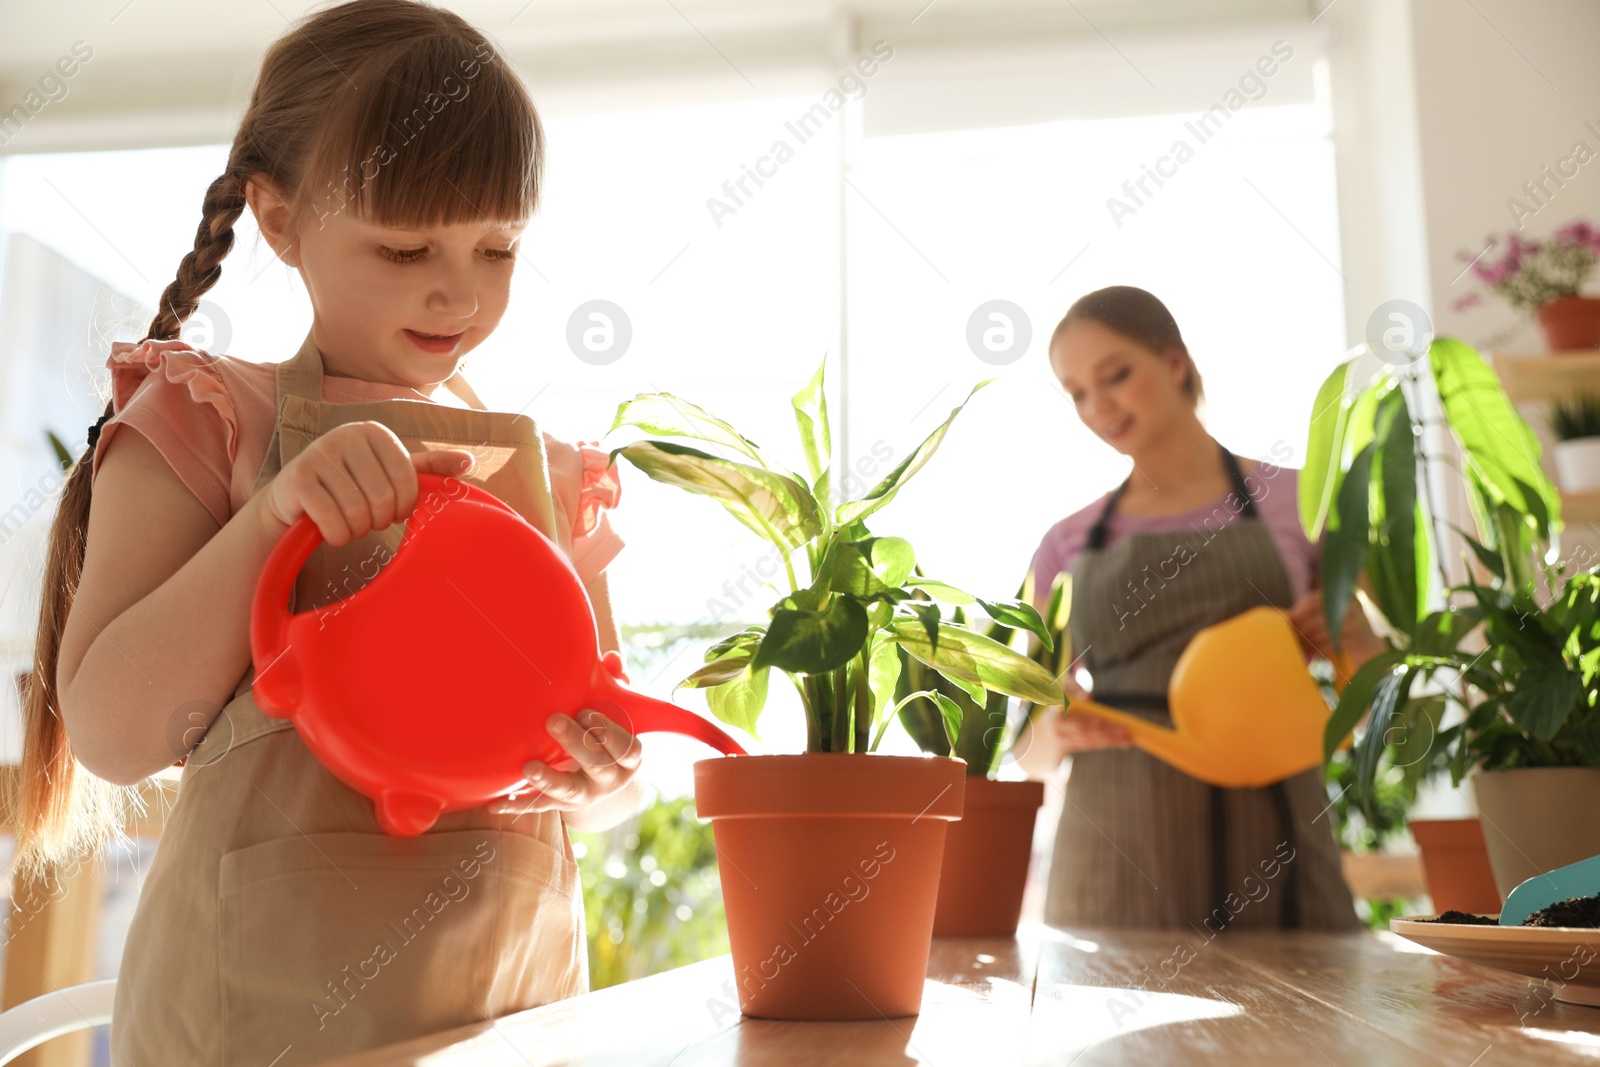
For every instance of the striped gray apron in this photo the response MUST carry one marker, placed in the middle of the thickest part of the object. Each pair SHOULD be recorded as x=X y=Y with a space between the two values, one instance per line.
x=1141 y=843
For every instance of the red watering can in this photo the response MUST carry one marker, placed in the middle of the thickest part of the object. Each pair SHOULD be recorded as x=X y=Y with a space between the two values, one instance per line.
x=427 y=690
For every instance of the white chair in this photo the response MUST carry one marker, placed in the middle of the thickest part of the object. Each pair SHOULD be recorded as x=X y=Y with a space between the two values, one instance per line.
x=33 y=1022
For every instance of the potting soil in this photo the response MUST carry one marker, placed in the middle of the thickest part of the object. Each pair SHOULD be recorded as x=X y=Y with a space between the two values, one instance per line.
x=1574 y=911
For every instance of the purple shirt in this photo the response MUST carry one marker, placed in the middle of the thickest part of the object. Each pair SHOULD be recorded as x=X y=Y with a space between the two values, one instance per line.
x=1277 y=505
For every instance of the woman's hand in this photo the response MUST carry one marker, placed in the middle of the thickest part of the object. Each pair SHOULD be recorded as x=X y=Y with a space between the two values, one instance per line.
x=1085 y=733
x=1053 y=733
x=605 y=759
x=354 y=479
x=1311 y=625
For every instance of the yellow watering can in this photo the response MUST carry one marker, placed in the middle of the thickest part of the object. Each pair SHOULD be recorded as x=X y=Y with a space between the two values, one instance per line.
x=1245 y=711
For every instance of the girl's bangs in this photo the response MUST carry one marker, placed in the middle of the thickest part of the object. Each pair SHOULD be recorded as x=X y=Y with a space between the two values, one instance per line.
x=467 y=148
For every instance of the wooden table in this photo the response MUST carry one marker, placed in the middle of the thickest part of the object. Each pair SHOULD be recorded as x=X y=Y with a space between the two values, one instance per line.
x=1058 y=997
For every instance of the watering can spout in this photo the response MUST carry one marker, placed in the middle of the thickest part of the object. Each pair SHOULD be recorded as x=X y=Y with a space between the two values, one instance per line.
x=1162 y=742
x=1245 y=711
x=640 y=714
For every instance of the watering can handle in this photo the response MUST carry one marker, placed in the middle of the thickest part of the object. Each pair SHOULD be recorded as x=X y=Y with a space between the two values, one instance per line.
x=269 y=610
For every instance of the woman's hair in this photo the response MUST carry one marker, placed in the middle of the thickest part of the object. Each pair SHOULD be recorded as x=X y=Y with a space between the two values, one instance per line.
x=398 y=111
x=1138 y=316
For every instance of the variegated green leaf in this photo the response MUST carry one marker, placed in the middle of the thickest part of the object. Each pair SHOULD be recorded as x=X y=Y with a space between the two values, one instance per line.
x=666 y=415
x=739 y=702
x=811 y=415
x=972 y=657
x=885 y=490
x=774 y=505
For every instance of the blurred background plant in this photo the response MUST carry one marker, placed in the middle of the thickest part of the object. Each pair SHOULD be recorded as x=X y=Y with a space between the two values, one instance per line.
x=982 y=731
x=1528 y=274
x=651 y=896
x=63 y=455
x=1056 y=657
x=650 y=647
x=1575 y=418
x=1375 y=830
x=1368 y=482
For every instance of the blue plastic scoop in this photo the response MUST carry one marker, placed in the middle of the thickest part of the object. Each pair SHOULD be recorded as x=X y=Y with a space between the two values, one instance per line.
x=1581 y=879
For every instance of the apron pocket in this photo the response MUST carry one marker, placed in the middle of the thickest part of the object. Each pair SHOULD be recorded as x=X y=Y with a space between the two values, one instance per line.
x=337 y=942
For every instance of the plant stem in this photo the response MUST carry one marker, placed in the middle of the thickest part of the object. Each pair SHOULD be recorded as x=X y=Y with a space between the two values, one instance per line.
x=813 y=709
x=840 y=699
x=1423 y=459
x=863 y=703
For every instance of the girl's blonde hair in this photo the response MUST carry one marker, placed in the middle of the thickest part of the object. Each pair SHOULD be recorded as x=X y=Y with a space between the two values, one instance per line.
x=397 y=111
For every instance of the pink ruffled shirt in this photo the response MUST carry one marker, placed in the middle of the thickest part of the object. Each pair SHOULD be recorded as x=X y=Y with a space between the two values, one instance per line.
x=212 y=417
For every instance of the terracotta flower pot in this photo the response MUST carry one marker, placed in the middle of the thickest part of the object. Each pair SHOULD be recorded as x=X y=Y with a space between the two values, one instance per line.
x=830 y=872
x=1536 y=819
x=986 y=858
x=1571 y=322
x=1455 y=861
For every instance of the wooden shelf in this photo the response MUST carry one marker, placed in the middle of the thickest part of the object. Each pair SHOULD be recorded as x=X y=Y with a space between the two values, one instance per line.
x=1380 y=875
x=1529 y=379
x=1537 y=379
x=1578 y=509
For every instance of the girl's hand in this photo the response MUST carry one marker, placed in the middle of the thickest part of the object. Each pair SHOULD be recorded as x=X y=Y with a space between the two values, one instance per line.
x=1311 y=625
x=605 y=759
x=354 y=479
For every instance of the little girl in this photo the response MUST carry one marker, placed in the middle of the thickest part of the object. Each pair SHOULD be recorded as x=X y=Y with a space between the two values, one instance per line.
x=392 y=157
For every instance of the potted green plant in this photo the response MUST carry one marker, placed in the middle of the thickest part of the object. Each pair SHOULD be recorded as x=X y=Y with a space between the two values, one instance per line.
x=1575 y=422
x=986 y=853
x=1516 y=651
x=1543 y=279
x=829 y=859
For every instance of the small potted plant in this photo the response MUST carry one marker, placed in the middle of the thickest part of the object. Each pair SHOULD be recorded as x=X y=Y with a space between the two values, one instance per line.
x=987 y=853
x=1544 y=279
x=1576 y=425
x=829 y=859
x=1517 y=650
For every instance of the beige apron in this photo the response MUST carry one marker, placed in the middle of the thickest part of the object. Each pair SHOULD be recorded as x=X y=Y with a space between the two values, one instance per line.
x=278 y=924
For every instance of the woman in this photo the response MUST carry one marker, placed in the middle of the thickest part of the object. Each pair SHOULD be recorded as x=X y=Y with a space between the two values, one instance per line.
x=1194 y=536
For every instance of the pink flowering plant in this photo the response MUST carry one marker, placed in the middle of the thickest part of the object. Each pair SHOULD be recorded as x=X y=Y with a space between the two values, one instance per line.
x=1530 y=274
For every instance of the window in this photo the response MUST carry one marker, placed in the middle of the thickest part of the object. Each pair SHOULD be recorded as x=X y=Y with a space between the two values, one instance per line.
x=1241 y=245
x=734 y=270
